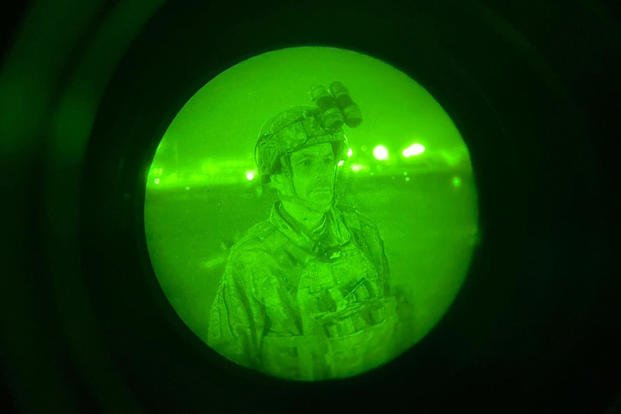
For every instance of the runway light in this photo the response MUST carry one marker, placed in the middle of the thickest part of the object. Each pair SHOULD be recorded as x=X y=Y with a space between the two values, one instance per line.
x=380 y=152
x=157 y=181
x=357 y=167
x=350 y=152
x=341 y=162
x=249 y=175
x=413 y=150
x=456 y=181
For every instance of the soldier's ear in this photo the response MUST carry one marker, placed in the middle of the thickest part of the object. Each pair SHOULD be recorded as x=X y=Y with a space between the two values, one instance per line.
x=277 y=182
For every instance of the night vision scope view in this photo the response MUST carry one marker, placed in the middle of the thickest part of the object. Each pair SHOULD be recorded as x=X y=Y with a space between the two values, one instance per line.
x=311 y=213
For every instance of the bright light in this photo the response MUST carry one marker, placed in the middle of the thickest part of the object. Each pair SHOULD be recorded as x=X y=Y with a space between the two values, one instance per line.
x=456 y=181
x=349 y=152
x=357 y=167
x=157 y=181
x=380 y=152
x=249 y=175
x=413 y=150
x=341 y=162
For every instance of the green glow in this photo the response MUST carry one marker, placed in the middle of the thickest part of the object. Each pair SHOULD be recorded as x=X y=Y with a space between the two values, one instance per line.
x=287 y=278
x=456 y=181
x=413 y=150
x=380 y=152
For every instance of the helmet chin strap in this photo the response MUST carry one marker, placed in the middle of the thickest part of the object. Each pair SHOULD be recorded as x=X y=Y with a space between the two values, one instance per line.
x=292 y=196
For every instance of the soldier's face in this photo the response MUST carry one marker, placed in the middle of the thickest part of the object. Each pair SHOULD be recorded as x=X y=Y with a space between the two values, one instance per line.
x=313 y=170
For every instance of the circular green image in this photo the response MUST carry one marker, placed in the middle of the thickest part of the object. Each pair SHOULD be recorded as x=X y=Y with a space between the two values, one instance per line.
x=311 y=213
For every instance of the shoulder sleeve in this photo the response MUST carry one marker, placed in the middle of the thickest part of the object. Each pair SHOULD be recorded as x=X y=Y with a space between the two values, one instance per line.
x=371 y=241
x=404 y=307
x=378 y=252
x=237 y=318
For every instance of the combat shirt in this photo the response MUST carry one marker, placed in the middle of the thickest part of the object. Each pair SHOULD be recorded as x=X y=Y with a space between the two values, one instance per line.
x=303 y=307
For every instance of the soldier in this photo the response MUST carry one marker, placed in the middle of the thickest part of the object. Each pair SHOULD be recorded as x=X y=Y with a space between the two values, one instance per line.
x=305 y=294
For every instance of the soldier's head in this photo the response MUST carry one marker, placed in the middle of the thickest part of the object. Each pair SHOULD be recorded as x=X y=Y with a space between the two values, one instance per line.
x=298 y=156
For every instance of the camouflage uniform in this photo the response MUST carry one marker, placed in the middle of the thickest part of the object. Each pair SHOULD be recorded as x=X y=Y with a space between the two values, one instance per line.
x=302 y=305
x=306 y=306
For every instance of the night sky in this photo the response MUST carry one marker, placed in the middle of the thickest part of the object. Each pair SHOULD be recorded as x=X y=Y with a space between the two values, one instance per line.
x=222 y=120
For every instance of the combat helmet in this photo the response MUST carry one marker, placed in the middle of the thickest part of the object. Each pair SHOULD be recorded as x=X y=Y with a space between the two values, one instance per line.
x=302 y=126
